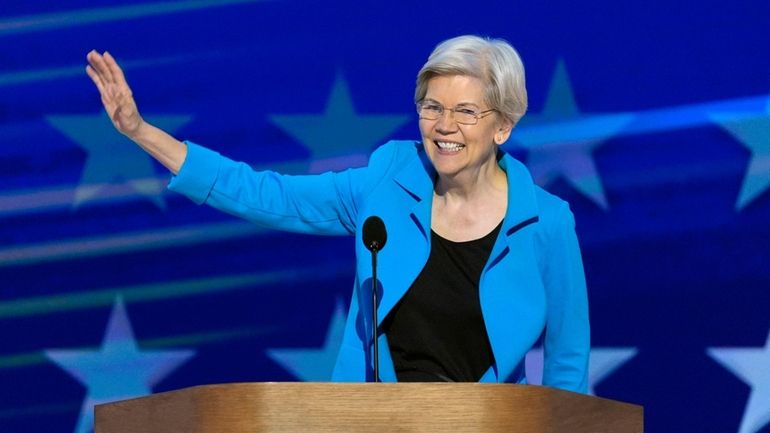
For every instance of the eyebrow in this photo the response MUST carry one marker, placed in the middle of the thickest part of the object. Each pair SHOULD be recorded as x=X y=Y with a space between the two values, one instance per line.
x=461 y=104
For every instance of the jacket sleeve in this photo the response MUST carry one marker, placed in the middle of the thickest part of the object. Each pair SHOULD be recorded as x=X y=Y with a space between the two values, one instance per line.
x=319 y=204
x=567 y=335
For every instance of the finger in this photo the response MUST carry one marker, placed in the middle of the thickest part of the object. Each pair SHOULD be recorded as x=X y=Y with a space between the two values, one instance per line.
x=106 y=90
x=114 y=68
x=93 y=60
x=94 y=66
x=99 y=64
x=91 y=54
x=96 y=79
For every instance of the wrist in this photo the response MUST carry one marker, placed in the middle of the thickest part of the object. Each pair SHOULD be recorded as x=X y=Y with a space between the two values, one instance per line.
x=139 y=133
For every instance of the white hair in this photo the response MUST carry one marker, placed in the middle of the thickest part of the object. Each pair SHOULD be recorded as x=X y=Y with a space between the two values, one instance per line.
x=494 y=61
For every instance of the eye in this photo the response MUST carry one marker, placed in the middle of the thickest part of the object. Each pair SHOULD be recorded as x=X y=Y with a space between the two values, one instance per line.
x=466 y=111
x=433 y=107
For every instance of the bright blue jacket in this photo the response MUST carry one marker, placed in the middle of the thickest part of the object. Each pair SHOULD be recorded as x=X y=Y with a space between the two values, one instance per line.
x=532 y=283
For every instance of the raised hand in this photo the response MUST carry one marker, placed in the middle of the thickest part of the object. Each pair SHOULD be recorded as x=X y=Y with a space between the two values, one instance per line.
x=116 y=95
x=119 y=102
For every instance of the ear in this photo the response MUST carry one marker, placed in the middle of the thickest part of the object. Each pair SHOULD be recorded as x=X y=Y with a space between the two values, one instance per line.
x=503 y=131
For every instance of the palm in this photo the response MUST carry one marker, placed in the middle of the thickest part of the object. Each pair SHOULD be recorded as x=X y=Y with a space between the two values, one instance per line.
x=117 y=97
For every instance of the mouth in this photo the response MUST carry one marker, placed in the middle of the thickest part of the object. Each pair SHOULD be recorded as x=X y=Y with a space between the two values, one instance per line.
x=449 y=147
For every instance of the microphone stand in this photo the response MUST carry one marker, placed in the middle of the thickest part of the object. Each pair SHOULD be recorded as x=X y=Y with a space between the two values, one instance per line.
x=374 y=236
x=376 y=354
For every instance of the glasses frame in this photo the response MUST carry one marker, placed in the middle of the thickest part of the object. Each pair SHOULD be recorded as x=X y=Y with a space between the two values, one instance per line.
x=453 y=110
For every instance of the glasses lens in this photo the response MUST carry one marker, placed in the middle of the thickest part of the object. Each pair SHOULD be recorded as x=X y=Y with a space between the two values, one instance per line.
x=465 y=116
x=429 y=111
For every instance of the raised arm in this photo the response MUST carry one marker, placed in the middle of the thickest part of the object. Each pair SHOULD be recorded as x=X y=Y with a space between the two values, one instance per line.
x=118 y=101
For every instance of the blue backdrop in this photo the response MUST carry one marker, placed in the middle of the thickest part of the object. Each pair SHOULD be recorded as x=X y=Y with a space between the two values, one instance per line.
x=651 y=118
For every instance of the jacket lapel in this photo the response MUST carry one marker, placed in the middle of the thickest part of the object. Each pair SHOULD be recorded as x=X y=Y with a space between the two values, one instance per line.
x=401 y=262
x=416 y=180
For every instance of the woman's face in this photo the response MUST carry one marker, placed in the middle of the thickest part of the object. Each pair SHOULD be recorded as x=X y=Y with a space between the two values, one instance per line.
x=457 y=150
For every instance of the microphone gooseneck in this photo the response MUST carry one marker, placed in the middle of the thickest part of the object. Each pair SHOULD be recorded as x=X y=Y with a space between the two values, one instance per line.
x=374 y=237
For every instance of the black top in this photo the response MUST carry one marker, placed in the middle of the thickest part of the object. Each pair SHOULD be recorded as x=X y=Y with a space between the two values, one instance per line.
x=436 y=332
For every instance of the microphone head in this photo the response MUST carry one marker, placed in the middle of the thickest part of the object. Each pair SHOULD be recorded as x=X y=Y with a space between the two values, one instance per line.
x=374 y=234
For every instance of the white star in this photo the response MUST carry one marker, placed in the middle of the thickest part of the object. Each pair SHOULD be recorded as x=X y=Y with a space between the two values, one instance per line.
x=314 y=365
x=753 y=131
x=118 y=370
x=557 y=143
x=751 y=365
x=114 y=162
x=602 y=362
x=339 y=137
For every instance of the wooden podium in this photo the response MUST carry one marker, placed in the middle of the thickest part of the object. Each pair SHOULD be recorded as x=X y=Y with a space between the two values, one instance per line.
x=368 y=407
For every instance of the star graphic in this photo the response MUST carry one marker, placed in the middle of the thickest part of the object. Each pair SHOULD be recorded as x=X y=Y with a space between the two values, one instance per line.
x=339 y=137
x=561 y=140
x=118 y=370
x=602 y=362
x=114 y=163
x=752 y=365
x=753 y=132
x=314 y=365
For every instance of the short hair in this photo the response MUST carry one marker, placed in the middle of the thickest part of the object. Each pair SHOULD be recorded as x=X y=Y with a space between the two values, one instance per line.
x=494 y=61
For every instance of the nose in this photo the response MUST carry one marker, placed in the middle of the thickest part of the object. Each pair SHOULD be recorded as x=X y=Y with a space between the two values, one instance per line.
x=446 y=124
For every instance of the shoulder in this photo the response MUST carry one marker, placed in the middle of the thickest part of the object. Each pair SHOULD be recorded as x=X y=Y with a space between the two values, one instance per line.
x=554 y=217
x=550 y=210
x=553 y=210
x=556 y=225
x=391 y=159
x=394 y=153
x=555 y=237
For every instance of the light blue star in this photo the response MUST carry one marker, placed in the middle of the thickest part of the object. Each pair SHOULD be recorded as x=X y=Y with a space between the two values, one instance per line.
x=753 y=131
x=602 y=362
x=561 y=140
x=118 y=370
x=314 y=365
x=751 y=365
x=339 y=137
x=114 y=163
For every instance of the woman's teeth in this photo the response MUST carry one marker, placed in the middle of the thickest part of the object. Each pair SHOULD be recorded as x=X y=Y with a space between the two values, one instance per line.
x=444 y=145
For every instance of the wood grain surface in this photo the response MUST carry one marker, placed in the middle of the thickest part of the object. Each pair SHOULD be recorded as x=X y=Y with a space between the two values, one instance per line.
x=368 y=407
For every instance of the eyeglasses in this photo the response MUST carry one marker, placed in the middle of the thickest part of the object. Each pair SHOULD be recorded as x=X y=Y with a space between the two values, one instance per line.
x=431 y=110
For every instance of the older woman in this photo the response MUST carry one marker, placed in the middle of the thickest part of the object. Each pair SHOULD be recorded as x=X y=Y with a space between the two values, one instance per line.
x=480 y=262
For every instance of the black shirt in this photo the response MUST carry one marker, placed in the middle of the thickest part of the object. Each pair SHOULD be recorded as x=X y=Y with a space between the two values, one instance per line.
x=436 y=332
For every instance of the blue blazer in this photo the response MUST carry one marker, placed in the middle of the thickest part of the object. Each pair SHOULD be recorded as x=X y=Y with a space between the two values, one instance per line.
x=532 y=284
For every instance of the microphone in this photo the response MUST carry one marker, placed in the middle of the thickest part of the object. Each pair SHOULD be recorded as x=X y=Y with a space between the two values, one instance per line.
x=374 y=236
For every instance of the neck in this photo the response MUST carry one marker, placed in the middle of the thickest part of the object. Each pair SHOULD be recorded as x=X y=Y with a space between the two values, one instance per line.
x=488 y=180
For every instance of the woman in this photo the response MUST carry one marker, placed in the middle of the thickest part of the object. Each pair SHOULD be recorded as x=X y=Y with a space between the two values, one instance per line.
x=480 y=262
